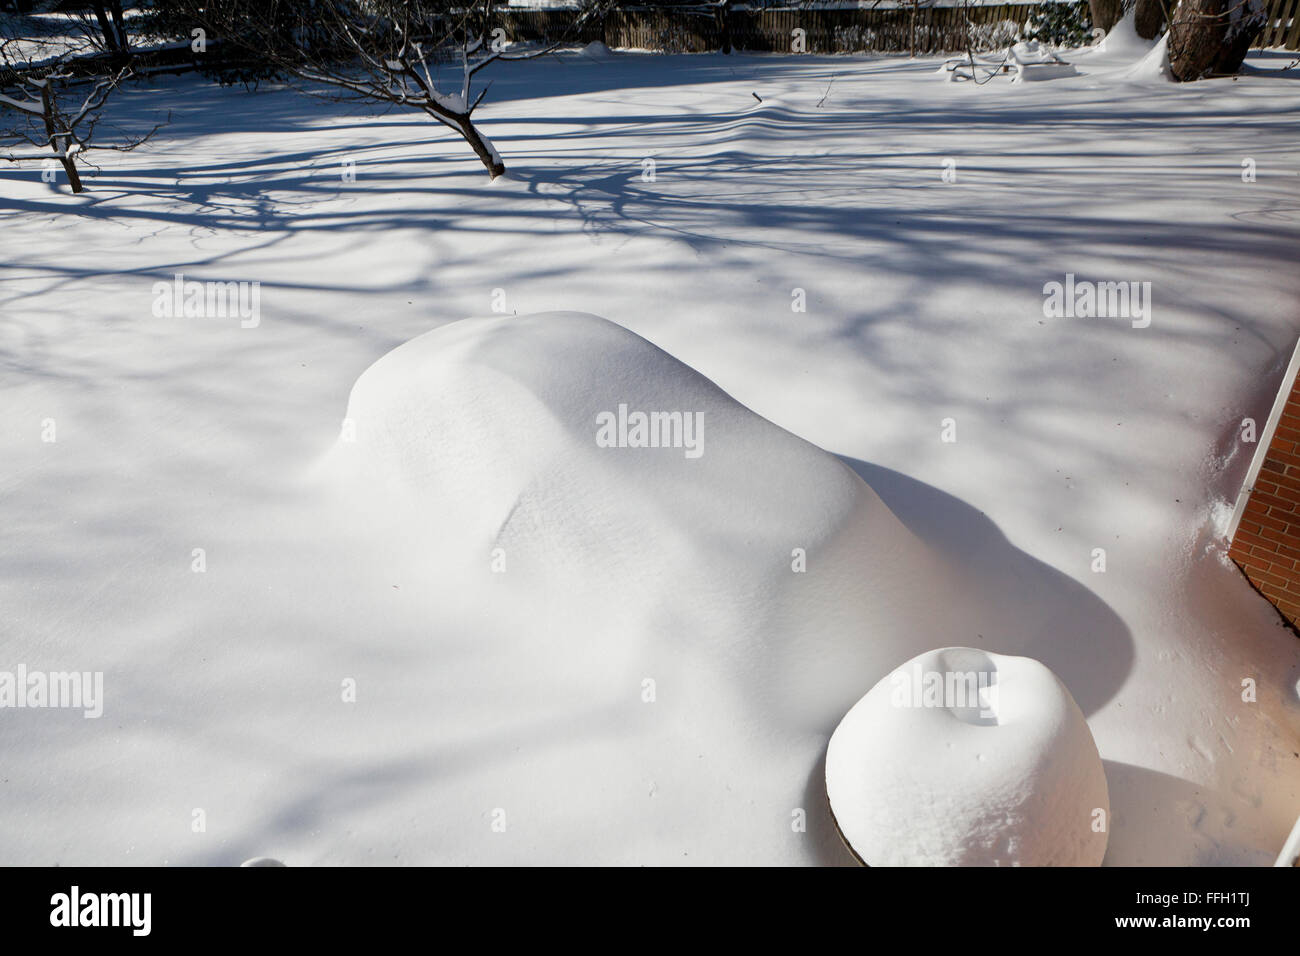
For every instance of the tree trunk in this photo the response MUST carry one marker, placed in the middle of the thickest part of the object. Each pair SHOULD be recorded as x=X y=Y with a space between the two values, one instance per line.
x=1211 y=37
x=119 y=22
x=1105 y=13
x=1148 y=18
x=485 y=153
x=112 y=25
x=74 y=178
x=60 y=149
x=106 y=28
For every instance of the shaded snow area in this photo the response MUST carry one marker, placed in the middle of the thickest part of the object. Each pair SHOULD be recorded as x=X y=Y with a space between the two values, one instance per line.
x=369 y=581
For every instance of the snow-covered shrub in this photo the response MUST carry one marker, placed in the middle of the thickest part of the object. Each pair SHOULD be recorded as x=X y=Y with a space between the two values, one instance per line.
x=1059 y=24
x=993 y=36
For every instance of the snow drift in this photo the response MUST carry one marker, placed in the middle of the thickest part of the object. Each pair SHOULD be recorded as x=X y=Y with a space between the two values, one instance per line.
x=607 y=527
x=568 y=464
x=596 y=50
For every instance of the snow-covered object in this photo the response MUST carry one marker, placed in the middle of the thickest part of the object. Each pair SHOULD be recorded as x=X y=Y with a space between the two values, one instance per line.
x=519 y=436
x=1032 y=63
x=595 y=50
x=965 y=758
x=1033 y=72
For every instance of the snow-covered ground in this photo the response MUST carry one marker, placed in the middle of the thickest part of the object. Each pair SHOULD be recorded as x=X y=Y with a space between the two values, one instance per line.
x=483 y=733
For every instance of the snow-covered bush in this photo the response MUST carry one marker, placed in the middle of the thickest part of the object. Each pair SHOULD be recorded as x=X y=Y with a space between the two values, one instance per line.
x=992 y=36
x=1059 y=24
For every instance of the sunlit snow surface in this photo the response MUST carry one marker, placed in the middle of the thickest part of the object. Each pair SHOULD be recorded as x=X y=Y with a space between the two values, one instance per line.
x=924 y=302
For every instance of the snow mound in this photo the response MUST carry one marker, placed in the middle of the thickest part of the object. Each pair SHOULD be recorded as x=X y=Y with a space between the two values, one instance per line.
x=1123 y=39
x=966 y=758
x=642 y=505
x=1153 y=66
x=596 y=50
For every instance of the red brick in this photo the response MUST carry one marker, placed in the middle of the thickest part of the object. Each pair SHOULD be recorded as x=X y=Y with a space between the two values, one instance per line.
x=1254 y=562
x=1288 y=608
x=1278 y=522
x=1258 y=545
x=1256 y=507
x=1268 y=577
x=1273 y=501
x=1273 y=534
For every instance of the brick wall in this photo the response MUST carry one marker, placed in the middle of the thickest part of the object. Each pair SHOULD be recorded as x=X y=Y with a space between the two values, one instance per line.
x=1266 y=544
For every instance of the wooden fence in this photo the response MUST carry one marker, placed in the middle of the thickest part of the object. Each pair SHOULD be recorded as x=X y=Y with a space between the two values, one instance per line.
x=1283 y=25
x=925 y=29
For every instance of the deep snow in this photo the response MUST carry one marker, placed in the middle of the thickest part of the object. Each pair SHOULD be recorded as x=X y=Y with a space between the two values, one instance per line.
x=924 y=303
x=733 y=561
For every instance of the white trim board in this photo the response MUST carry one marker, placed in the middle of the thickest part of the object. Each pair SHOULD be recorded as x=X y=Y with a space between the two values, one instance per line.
x=1290 y=855
x=1265 y=439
